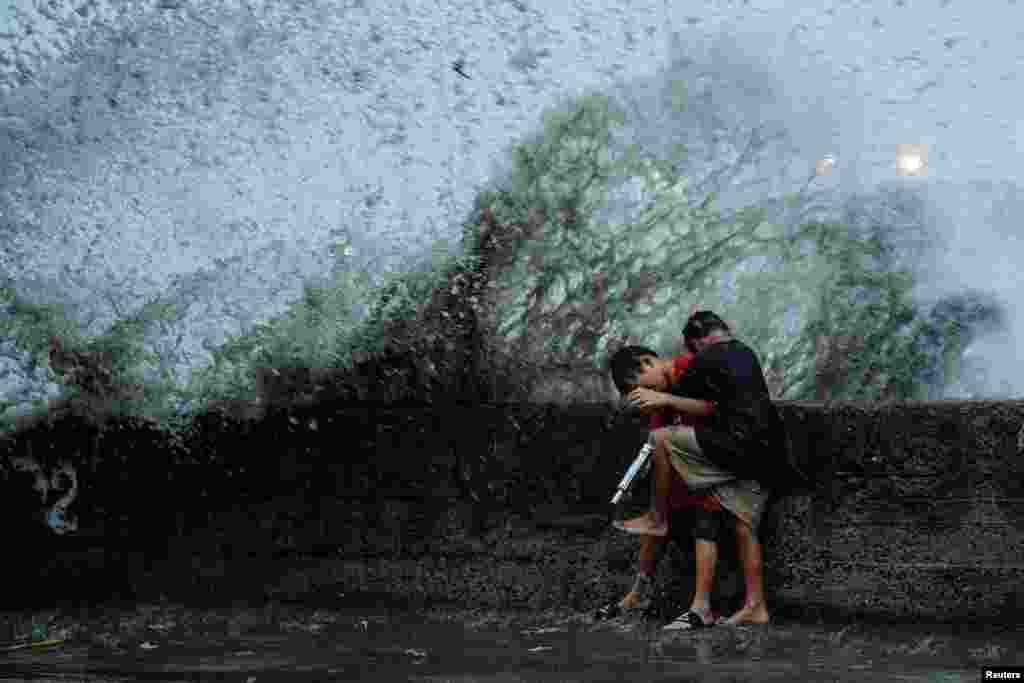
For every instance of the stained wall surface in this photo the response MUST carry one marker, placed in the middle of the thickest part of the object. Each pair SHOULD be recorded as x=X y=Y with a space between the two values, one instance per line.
x=912 y=512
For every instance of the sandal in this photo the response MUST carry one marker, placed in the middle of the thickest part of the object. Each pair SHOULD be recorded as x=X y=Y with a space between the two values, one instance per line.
x=613 y=610
x=609 y=611
x=689 y=621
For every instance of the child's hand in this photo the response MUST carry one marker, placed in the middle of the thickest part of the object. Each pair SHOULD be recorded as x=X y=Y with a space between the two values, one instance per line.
x=646 y=400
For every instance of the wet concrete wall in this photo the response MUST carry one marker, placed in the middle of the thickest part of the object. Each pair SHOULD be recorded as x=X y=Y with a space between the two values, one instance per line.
x=914 y=511
x=917 y=510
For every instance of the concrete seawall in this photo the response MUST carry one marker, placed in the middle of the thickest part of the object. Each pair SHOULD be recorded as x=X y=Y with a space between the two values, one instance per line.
x=916 y=512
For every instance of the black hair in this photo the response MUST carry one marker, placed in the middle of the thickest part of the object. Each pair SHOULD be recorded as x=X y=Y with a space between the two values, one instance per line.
x=625 y=366
x=700 y=325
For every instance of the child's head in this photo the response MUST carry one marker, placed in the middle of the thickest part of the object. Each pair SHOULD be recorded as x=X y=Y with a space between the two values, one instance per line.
x=635 y=366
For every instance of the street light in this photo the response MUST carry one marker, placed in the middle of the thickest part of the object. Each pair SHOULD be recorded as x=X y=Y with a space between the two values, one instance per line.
x=825 y=166
x=911 y=160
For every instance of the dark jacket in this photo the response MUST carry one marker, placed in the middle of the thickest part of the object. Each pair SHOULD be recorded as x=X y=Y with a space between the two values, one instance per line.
x=745 y=434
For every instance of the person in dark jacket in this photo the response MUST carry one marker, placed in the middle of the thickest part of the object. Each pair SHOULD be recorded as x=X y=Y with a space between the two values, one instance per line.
x=736 y=453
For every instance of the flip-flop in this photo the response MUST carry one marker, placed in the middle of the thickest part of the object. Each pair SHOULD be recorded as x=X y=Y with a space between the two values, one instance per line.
x=609 y=611
x=614 y=610
x=689 y=621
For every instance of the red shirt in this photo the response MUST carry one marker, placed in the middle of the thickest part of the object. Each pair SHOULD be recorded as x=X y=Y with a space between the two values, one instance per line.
x=671 y=417
x=681 y=497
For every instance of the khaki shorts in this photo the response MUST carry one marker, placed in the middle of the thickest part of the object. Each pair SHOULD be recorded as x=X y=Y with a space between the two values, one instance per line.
x=745 y=498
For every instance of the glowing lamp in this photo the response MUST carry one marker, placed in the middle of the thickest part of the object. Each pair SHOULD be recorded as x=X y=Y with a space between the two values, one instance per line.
x=911 y=159
x=825 y=166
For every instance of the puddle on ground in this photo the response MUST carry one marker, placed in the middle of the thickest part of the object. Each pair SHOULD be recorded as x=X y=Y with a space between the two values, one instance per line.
x=264 y=644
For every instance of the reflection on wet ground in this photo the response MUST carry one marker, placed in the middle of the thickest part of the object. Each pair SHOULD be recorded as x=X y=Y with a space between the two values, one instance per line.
x=275 y=643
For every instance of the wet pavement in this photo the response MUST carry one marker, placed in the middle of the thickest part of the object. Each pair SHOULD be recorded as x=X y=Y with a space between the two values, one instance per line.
x=285 y=643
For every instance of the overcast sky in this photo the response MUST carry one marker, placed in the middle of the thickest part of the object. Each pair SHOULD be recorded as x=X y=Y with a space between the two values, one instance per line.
x=939 y=73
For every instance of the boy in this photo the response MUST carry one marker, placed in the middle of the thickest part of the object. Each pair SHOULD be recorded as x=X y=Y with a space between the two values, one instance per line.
x=735 y=453
x=632 y=367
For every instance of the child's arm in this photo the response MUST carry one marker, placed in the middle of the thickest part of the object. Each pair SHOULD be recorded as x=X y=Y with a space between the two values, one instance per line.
x=691 y=410
x=689 y=406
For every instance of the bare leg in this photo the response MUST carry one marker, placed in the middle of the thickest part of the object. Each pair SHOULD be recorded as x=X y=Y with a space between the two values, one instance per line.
x=755 y=609
x=707 y=558
x=651 y=548
x=663 y=474
x=656 y=524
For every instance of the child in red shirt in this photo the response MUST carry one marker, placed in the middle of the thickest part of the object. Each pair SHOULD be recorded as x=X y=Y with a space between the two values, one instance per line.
x=652 y=547
x=681 y=497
